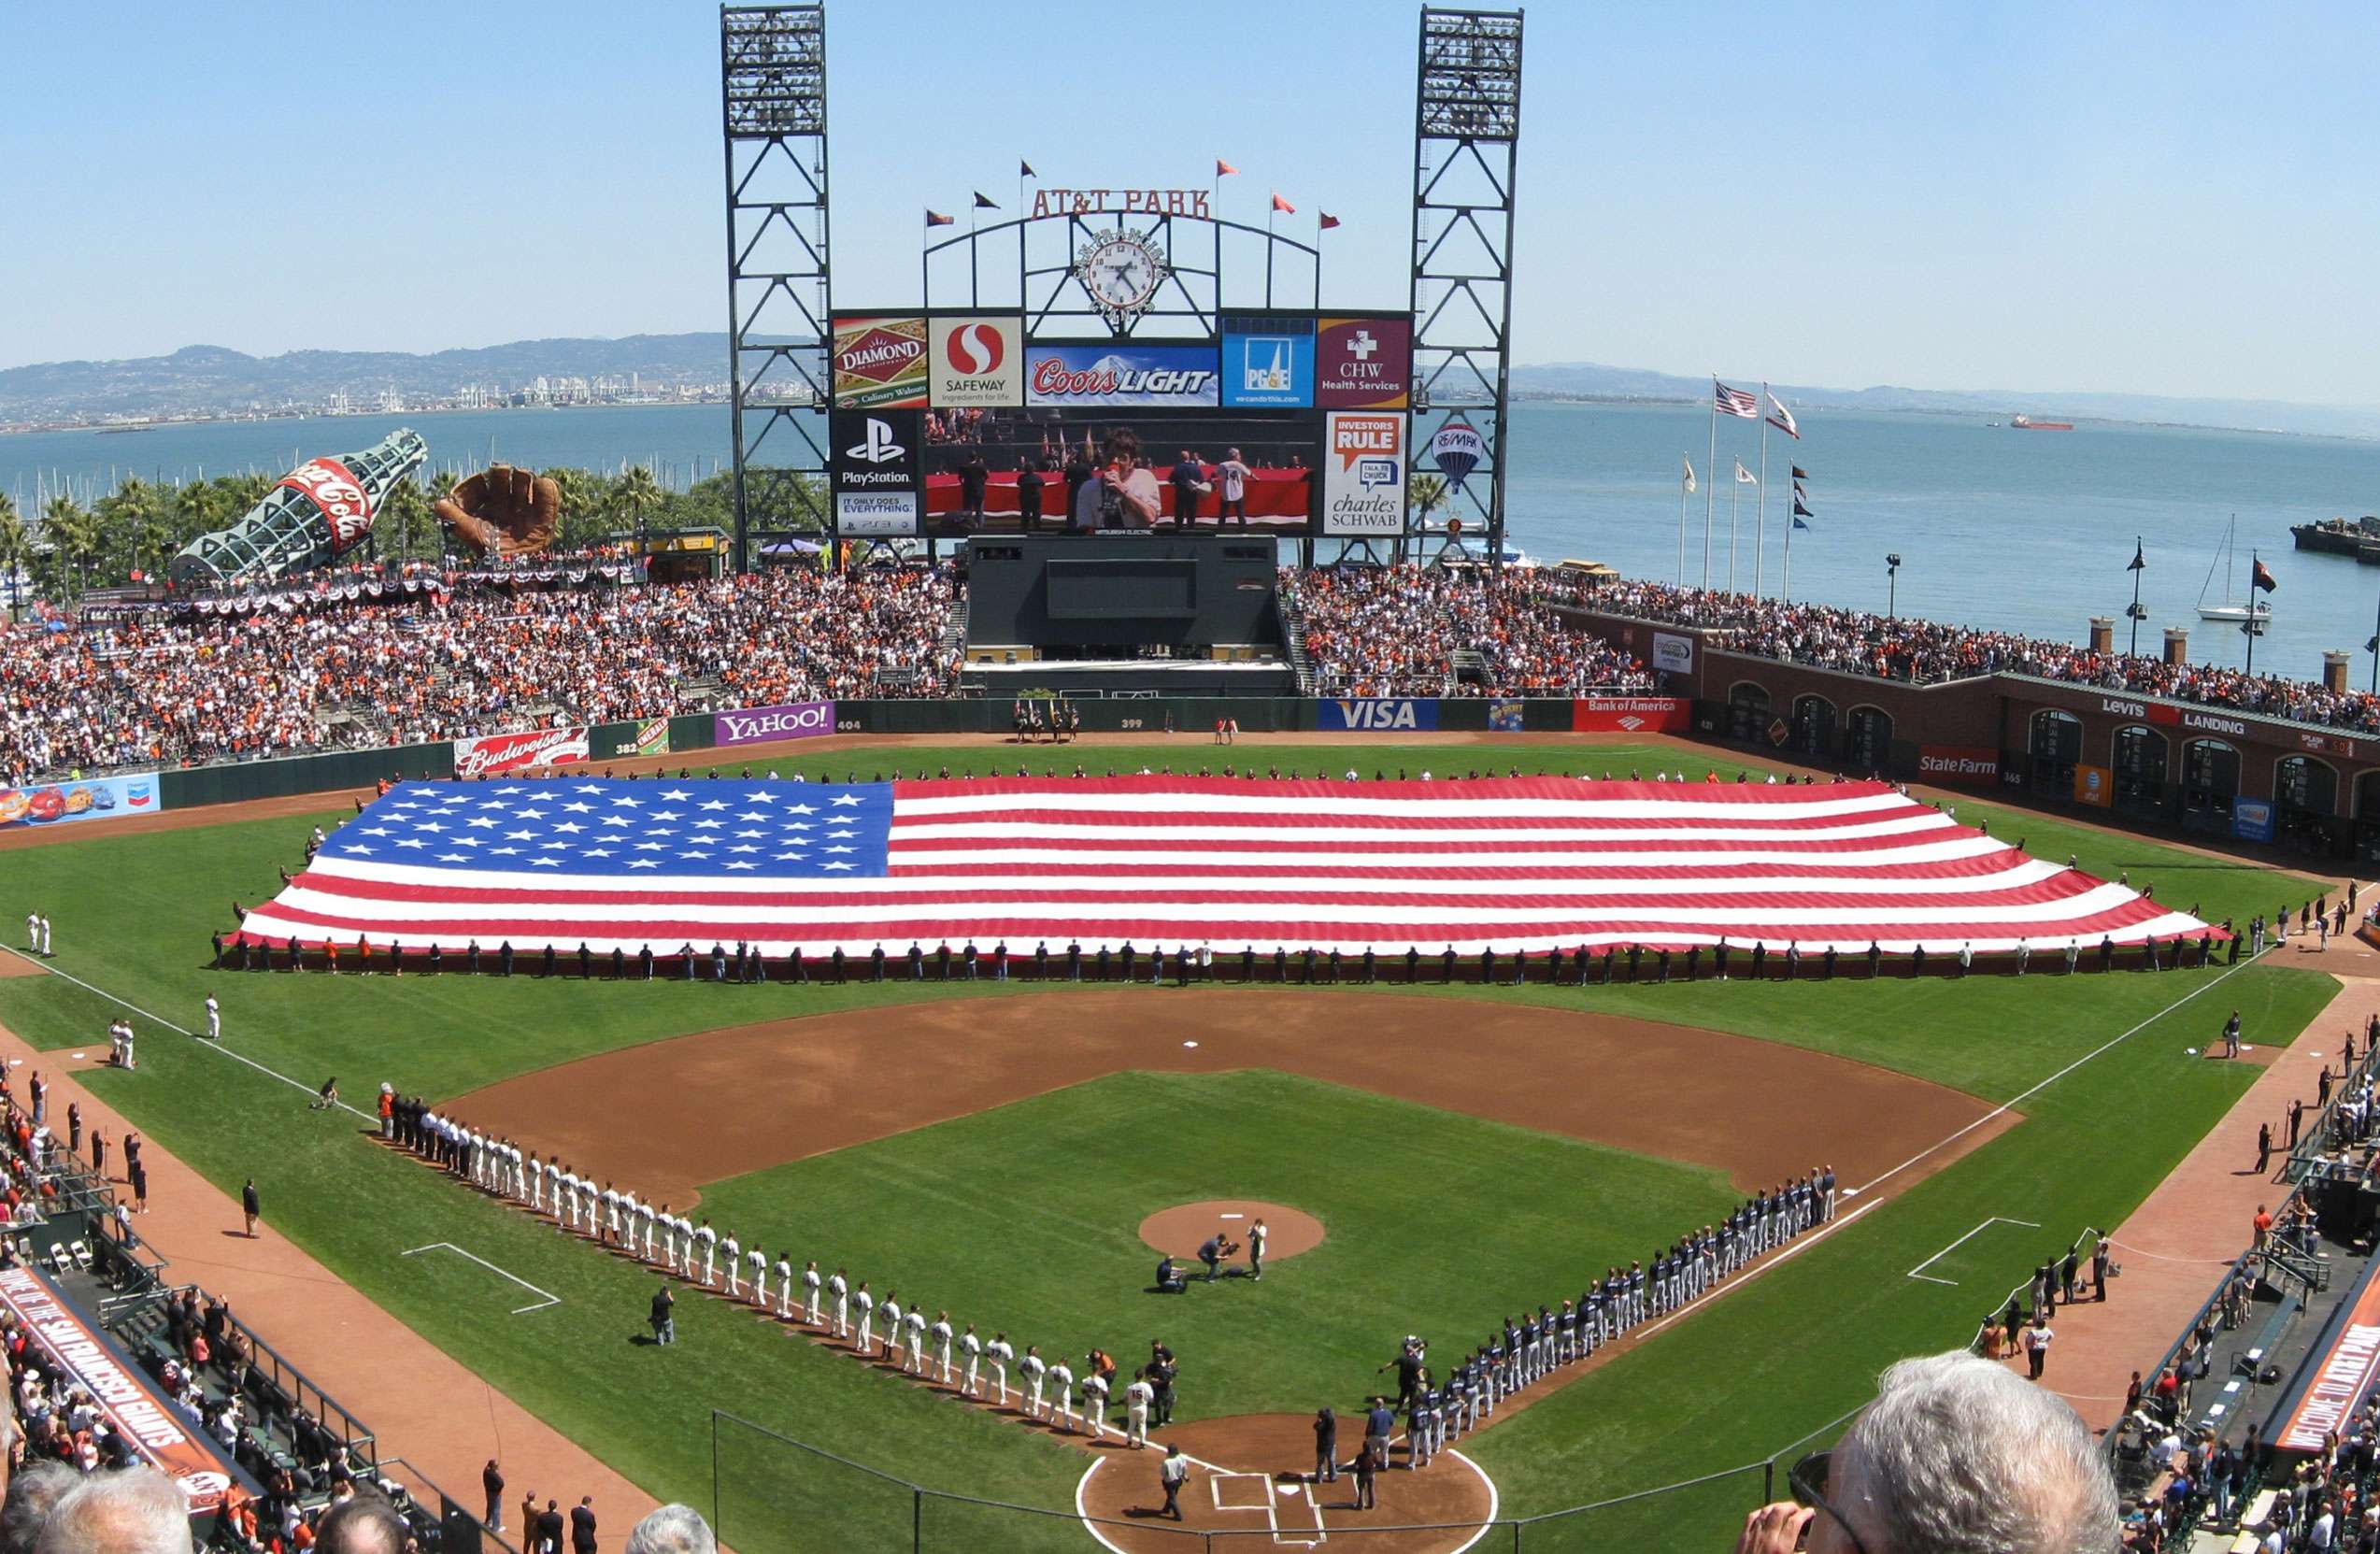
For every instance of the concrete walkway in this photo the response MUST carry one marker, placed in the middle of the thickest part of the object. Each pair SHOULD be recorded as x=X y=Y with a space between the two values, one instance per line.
x=403 y=1387
x=2176 y=1245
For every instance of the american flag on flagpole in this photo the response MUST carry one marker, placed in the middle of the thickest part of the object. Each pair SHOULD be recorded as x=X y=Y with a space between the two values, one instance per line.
x=1535 y=863
x=1734 y=402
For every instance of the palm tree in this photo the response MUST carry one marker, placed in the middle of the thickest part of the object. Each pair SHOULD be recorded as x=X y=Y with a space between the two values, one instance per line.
x=74 y=538
x=16 y=546
x=1426 y=494
x=583 y=496
x=408 y=509
x=195 y=508
x=636 y=492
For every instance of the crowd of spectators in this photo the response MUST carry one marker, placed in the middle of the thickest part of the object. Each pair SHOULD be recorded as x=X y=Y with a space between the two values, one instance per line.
x=474 y=660
x=1925 y=653
x=1396 y=631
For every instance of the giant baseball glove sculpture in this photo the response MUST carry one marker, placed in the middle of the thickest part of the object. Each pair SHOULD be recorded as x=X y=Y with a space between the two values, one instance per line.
x=502 y=511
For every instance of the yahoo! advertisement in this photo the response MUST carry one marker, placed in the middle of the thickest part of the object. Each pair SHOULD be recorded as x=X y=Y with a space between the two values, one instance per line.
x=758 y=724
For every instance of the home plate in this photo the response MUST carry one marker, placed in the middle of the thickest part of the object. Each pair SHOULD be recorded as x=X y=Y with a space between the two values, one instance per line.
x=1288 y=1491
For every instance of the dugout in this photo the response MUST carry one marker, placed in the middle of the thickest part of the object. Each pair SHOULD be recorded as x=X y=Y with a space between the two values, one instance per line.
x=1103 y=598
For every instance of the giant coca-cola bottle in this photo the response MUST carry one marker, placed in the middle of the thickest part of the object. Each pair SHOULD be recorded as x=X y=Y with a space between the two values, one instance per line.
x=314 y=514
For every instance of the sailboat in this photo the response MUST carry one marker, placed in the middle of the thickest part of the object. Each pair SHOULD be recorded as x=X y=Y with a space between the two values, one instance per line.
x=2232 y=607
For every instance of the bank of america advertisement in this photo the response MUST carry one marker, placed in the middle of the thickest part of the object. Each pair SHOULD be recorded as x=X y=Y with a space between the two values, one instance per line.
x=1364 y=470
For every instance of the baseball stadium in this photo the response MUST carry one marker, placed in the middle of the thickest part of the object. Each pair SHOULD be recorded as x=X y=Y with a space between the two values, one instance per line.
x=832 y=1028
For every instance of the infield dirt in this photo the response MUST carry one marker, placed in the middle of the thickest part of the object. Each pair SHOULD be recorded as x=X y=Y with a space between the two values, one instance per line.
x=672 y=1115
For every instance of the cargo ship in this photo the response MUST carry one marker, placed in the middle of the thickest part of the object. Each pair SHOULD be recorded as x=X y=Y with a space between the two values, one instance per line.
x=2358 y=537
x=2027 y=424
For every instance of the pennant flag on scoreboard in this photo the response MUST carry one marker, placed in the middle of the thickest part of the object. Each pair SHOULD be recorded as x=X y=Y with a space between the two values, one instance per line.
x=1329 y=221
x=1532 y=862
x=1024 y=169
x=936 y=219
x=1223 y=169
x=1284 y=207
x=983 y=201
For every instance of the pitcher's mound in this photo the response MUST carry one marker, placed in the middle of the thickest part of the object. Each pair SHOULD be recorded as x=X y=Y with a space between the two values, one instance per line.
x=1182 y=1231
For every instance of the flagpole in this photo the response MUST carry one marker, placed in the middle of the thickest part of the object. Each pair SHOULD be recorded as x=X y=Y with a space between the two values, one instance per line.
x=1785 y=584
x=1710 y=492
x=1734 y=511
x=1761 y=540
x=1688 y=459
x=2250 y=627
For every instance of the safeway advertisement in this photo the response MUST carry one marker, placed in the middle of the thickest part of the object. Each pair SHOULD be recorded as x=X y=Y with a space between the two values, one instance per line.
x=494 y=754
x=1631 y=715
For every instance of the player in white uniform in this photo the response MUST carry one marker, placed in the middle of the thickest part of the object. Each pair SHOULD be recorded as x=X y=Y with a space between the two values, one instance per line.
x=839 y=1288
x=628 y=1221
x=759 y=1260
x=214 y=1018
x=810 y=1283
x=1033 y=1367
x=607 y=1227
x=652 y=1222
x=734 y=1250
x=892 y=1315
x=1062 y=1407
x=566 y=1199
x=972 y=1348
x=1095 y=1403
x=669 y=1237
x=785 y=1284
x=1137 y=1397
x=866 y=1303
x=33 y=932
x=941 y=1330
x=916 y=1323
x=707 y=1239
x=1001 y=1352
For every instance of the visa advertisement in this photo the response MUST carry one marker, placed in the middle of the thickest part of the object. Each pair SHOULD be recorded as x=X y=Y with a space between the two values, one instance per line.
x=1113 y=373
x=87 y=799
x=1379 y=714
x=1268 y=362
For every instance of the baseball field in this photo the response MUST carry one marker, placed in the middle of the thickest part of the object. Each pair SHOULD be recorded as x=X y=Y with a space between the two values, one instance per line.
x=997 y=1149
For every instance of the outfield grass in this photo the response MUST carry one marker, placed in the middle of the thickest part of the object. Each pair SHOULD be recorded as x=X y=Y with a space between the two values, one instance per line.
x=1742 y=1378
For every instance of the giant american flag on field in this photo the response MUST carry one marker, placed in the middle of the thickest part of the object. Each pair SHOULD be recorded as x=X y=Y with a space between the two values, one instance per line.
x=1163 y=861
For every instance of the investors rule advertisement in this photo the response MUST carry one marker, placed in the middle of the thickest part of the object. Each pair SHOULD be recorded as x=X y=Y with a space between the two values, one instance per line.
x=879 y=362
x=1363 y=473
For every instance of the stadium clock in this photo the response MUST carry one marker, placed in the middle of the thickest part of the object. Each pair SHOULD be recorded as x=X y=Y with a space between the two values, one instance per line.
x=1121 y=269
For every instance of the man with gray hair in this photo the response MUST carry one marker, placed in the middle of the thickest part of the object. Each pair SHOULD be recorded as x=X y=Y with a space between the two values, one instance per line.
x=1957 y=1455
x=363 y=1523
x=672 y=1530
x=131 y=1511
x=33 y=1492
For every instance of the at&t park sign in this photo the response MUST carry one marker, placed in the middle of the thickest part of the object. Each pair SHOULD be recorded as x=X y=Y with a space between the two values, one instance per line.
x=1125 y=201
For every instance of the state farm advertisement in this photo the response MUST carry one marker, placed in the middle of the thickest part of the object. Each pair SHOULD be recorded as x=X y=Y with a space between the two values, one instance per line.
x=1113 y=373
x=879 y=363
x=494 y=754
x=1364 y=474
x=753 y=725
x=74 y=1355
x=1631 y=715
x=1976 y=765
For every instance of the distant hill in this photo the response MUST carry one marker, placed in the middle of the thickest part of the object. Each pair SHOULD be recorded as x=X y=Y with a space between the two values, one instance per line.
x=1593 y=381
x=201 y=379
x=198 y=380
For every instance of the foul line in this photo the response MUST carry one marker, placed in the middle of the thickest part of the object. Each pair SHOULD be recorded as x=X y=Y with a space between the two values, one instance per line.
x=1920 y=1271
x=211 y=1046
x=451 y=1246
x=1801 y=1244
x=2013 y=1102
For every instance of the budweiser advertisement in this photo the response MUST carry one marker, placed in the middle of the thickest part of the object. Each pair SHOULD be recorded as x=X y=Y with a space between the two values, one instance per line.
x=881 y=363
x=75 y=1354
x=1977 y=765
x=494 y=754
x=754 y=725
x=1631 y=715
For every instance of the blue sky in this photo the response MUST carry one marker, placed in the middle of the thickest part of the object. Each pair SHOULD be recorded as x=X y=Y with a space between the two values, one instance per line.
x=2168 y=198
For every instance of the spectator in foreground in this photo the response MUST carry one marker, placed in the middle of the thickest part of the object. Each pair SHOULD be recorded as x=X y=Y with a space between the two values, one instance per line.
x=674 y=1529
x=134 y=1511
x=33 y=1492
x=363 y=1523
x=1954 y=1455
